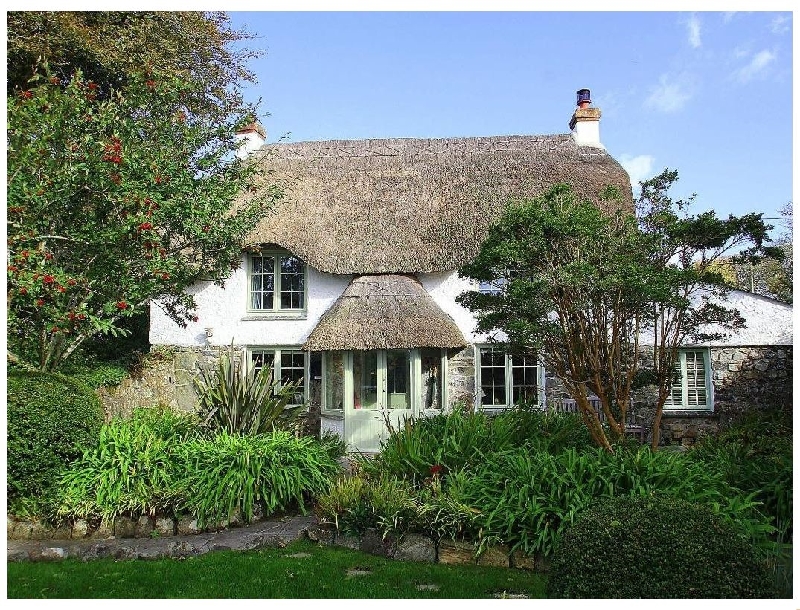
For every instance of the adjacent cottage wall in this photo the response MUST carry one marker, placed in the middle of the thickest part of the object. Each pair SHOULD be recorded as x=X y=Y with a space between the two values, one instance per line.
x=746 y=378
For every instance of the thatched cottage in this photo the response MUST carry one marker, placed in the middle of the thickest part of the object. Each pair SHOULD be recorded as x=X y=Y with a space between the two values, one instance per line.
x=353 y=282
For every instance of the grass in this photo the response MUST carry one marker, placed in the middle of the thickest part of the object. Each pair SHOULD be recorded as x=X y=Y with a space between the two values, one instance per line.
x=302 y=570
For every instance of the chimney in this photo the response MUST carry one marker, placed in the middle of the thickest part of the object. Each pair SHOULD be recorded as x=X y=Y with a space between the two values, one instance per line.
x=585 y=122
x=253 y=136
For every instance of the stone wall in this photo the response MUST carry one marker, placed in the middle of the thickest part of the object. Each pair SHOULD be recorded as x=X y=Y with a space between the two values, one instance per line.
x=165 y=377
x=461 y=377
x=745 y=378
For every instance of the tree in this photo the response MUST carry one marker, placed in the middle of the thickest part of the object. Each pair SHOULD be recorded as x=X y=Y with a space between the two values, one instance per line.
x=687 y=306
x=109 y=47
x=769 y=276
x=586 y=289
x=115 y=200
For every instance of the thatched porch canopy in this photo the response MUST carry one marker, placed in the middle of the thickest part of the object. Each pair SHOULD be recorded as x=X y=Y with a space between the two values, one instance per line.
x=416 y=205
x=384 y=312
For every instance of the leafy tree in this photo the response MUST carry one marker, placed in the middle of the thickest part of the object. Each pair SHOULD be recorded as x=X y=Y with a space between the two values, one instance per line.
x=110 y=47
x=769 y=277
x=115 y=200
x=587 y=289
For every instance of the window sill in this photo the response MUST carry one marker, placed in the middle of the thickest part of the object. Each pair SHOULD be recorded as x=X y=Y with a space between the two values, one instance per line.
x=274 y=315
x=332 y=414
x=689 y=413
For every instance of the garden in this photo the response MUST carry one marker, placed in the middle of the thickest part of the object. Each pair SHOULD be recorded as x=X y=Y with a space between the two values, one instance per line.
x=714 y=521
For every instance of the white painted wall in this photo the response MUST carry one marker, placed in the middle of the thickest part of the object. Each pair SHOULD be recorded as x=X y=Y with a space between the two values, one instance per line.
x=224 y=309
x=444 y=288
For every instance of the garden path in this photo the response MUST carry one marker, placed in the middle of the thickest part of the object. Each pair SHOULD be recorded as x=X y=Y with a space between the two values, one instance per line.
x=269 y=533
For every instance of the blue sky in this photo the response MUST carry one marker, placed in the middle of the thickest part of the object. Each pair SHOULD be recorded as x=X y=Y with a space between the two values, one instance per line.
x=708 y=94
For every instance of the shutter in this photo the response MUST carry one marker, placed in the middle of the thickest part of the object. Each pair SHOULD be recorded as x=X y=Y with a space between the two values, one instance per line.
x=696 y=380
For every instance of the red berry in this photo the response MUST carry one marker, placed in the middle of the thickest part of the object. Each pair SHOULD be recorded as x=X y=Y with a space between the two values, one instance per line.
x=122 y=305
x=145 y=226
x=23 y=290
x=48 y=279
x=39 y=302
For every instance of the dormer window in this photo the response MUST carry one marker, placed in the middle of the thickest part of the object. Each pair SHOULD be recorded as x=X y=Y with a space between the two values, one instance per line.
x=493 y=287
x=277 y=282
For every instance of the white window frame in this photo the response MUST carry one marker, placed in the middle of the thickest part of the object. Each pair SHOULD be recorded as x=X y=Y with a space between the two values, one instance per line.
x=276 y=363
x=276 y=309
x=509 y=380
x=683 y=382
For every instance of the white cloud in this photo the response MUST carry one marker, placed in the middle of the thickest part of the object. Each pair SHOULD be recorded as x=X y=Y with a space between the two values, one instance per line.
x=670 y=95
x=781 y=24
x=639 y=168
x=694 y=31
x=728 y=16
x=756 y=66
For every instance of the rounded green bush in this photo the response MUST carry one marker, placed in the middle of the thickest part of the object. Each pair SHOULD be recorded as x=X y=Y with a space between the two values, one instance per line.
x=51 y=420
x=654 y=547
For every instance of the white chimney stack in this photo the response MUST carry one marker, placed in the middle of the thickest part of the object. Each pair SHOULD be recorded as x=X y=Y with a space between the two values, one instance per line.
x=585 y=122
x=253 y=136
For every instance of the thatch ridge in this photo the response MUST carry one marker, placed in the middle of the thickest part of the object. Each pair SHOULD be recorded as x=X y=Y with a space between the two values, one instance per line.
x=407 y=205
x=384 y=312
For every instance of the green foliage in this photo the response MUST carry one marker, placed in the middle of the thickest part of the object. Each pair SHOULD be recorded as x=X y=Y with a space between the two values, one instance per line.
x=449 y=441
x=273 y=471
x=127 y=184
x=134 y=469
x=655 y=547
x=755 y=455
x=580 y=285
x=528 y=498
x=51 y=421
x=247 y=402
x=159 y=461
x=110 y=47
x=458 y=439
x=335 y=445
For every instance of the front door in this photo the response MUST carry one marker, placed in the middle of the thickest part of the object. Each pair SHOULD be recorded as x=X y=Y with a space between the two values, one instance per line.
x=381 y=397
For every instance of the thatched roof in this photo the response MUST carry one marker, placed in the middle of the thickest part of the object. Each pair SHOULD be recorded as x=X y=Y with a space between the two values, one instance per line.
x=415 y=205
x=384 y=312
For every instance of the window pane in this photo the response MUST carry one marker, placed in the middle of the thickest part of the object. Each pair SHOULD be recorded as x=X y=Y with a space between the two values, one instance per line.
x=431 y=379
x=524 y=376
x=397 y=386
x=675 y=398
x=292 y=282
x=262 y=359
x=334 y=380
x=493 y=377
x=293 y=369
x=262 y=282
x=695 y=379
x=365 y=380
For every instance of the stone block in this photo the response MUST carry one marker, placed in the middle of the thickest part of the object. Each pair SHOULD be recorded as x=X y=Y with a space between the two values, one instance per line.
x=456 y=553
x=413 y=547
x=522 y=561
x=62 y=532
x=145 y=526
x=165 y=526
x=187 y=525
x=374 y=544
x=104 y=531
x=53 y=553
x=497 y=556
x=80 y=529
x=349 y=542
x=124 y=527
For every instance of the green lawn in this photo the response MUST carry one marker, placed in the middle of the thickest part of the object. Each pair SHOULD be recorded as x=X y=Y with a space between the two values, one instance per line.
x=301 y=570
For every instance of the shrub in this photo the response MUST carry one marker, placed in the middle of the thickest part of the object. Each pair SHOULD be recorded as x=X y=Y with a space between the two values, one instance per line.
x=755 y=455
x=233 y=472
x=51 y=421
x=247 y=402
x=654 y=547
x=450 y=441
x=356 y=504
x=527 y=498
x=134 y=469
x=548 y=431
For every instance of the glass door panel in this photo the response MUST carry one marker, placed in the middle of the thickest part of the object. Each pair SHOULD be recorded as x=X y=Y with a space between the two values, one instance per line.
x=365 y=380
x=398 y=369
